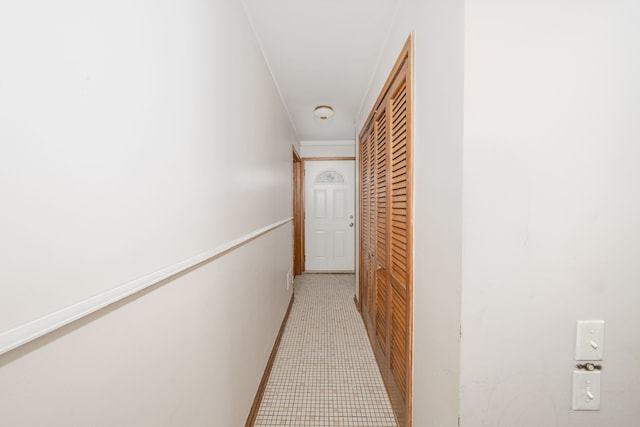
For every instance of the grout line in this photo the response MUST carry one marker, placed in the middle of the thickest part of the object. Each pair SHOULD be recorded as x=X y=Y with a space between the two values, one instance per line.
x=251 y=419
x=324 y=372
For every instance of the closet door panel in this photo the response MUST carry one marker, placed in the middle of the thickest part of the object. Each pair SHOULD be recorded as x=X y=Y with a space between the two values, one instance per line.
x=364 y=222
x=381 y=221
x=399 y=232
x=371 y=244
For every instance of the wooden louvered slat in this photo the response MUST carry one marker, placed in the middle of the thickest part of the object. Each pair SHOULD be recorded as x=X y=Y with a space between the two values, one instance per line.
x=399 y=113
x=399 y=226
x=399 y=240
x=399 y=253
x=399 y=172
x=398 y=178
x=398 y=266
x=402 y=157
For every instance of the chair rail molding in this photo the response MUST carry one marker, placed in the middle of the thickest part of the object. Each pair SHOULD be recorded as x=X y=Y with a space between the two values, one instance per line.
x=27 y=332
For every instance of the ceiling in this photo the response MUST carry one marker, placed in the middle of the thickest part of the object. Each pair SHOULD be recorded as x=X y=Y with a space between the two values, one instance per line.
x=322 y=52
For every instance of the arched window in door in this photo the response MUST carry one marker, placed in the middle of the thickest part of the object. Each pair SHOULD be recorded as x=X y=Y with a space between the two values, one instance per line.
x=329 y=176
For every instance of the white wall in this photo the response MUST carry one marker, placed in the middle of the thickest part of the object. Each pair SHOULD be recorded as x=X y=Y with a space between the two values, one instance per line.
x=550 y=205
x=438 y=27
x=551 y=208
x=124 y=150
x=327 y=149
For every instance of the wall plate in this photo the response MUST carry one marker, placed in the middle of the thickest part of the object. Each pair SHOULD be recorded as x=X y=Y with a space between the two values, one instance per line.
x=586 y=391
x=590 y=340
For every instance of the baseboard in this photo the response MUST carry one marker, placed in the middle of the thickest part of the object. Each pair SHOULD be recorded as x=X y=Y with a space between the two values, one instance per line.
x=251 y=419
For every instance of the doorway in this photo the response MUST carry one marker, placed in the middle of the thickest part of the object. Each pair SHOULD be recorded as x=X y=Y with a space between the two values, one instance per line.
x=329 y=206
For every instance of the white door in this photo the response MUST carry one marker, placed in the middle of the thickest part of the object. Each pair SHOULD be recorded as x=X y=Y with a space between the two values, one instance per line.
x=329 y=201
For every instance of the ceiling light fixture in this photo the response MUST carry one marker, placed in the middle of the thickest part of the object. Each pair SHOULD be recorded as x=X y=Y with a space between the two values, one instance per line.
x=323 y=112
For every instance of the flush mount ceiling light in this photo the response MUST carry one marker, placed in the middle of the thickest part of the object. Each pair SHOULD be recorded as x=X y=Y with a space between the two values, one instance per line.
x=323 y=112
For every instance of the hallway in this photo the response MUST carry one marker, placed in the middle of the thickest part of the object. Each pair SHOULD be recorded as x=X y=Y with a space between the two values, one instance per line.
x=325 y=373
x=149 y=223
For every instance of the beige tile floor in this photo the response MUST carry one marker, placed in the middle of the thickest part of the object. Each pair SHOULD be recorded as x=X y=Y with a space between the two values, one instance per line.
x=325 y=373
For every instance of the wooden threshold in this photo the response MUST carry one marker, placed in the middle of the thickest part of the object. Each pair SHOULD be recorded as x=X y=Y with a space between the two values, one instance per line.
x=251 y=419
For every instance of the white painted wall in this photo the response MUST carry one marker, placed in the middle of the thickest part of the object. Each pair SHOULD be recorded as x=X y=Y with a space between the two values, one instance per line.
x=551 y=203
x=328 y=148
x=551 y=208
x=124 y=149
x=438 y=27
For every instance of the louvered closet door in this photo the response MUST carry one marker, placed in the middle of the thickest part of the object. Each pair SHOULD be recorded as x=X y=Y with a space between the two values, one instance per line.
x=385 y=156
x=381 y=225
x=399 y=232
x=367 y=235
x=372 y=224
x=364 y=227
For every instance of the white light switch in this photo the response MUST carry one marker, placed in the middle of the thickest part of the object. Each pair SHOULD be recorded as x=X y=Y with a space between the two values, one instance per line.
x=590 y=340
x=586 y=391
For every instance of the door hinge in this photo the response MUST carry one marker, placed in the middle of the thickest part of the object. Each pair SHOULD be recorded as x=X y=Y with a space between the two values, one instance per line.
x=458 y=420
x=461 y=330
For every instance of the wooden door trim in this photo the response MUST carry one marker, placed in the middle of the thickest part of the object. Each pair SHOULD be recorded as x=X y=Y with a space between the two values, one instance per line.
x=409 y=337
x=298 y=220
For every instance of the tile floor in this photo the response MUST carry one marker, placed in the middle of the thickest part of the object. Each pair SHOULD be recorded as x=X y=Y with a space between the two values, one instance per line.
x=325 y=373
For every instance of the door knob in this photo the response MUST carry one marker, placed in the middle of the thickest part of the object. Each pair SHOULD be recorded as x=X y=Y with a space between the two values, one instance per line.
x=351 y=225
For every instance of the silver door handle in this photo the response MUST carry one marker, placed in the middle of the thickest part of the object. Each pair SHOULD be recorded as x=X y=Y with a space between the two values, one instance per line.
x=351 y=225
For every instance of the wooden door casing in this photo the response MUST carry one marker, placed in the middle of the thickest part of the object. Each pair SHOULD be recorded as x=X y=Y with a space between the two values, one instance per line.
x=386 y=287
x=298 y=209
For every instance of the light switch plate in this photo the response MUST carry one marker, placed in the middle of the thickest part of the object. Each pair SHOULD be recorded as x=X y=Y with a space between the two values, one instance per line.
x=586 y=391
x=590 y=340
